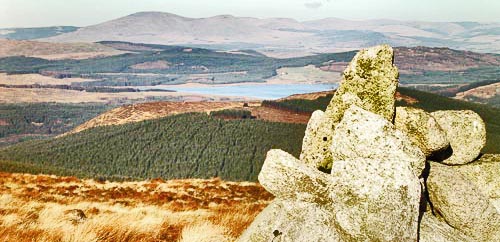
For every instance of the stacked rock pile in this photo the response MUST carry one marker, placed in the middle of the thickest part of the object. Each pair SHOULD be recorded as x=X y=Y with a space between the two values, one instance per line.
x=369 y=171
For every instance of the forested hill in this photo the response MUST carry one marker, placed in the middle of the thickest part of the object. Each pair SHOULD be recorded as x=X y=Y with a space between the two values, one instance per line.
x=182 y=146
x=194 y=145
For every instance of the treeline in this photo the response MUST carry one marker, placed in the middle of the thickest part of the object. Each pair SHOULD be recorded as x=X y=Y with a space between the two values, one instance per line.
x=232 y=114
x=300 y=105
x=45 y=118
x=182 y=146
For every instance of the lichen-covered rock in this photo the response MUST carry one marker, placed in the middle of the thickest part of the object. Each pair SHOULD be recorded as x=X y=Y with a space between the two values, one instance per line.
x=376 y=200
x=286 y=177
x=369 y=81
x=313 y=152
x=318 y=136
x=466 y=132
x=461 y=204
x=485 y=175
x=366 y=135
x=422 y=129
x=372 y=77
x=285 y=220
x=434 y=230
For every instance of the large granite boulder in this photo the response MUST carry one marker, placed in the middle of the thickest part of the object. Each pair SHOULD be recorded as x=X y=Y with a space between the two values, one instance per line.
x=461 y=204
x=434 y=230
x=286 y=220
x=370 y=82
x=286 y=177
x=422 y=129
x=466 y=132
x=485 y=175
x=376 y=200
x=363 y=134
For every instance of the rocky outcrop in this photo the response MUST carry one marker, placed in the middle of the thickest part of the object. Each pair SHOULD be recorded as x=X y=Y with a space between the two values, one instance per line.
x=422 y=129
x=466 y=132
x=367 y=135
x=363 y=176
x=462 y=205
x=370 y=82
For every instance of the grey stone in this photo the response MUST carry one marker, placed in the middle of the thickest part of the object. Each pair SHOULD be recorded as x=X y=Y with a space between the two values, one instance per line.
x=366 y=135
x=422 y=129
x=369 y=81
x=485 y=175
x=286 y=177
x=466 y=132
x=285 y=220
x=461 y=204
x=434 y=230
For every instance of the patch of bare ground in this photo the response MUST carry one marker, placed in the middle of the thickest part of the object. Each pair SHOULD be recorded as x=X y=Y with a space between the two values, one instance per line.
x=4 y=122
x=51 y=208
x=308 y=96
x=160 y=64
x=482 y=92
x=53 y=51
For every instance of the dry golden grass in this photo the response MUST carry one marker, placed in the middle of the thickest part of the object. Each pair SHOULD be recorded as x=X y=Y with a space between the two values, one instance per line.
x=31 y=79
x=50 y=208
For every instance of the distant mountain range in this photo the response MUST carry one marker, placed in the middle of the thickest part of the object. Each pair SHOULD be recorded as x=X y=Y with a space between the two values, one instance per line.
x=278 y=37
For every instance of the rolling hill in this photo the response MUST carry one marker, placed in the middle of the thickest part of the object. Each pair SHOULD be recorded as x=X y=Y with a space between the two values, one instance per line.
x=194 y=145
x=286 y=37
x=53 y=51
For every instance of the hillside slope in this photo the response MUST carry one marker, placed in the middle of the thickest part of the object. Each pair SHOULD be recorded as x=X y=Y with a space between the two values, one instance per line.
x=194 y=145
x=54 y=51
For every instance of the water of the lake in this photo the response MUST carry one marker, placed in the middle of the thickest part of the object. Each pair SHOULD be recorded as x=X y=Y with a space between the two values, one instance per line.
x=269 y=91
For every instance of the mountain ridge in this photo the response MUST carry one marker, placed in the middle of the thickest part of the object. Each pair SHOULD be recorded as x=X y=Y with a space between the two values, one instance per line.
x=286 y=36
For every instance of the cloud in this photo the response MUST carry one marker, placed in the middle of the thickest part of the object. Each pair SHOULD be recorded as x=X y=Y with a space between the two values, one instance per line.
x=313 y=5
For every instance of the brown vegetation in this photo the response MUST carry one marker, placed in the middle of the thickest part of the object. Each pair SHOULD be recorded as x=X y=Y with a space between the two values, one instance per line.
x=31 y=79
x=417 y=59
x=33 y=95
x=50 y=208
x=54 y=51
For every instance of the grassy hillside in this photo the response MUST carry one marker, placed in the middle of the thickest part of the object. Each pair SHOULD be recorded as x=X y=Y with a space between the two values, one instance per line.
x=182 y=146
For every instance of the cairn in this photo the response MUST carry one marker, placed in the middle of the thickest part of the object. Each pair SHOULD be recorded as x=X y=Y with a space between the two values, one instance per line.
x=369 y=171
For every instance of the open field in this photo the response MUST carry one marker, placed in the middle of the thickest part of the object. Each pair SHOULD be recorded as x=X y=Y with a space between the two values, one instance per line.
x=37 y=79
x=38 y=95
x=51 y=208
x=55 y=51
x=305 y=75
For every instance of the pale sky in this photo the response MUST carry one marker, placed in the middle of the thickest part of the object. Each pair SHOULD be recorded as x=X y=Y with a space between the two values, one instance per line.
x=36 y=13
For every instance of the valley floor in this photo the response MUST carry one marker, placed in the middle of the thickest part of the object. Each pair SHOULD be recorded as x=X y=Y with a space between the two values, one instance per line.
x=51 y=208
